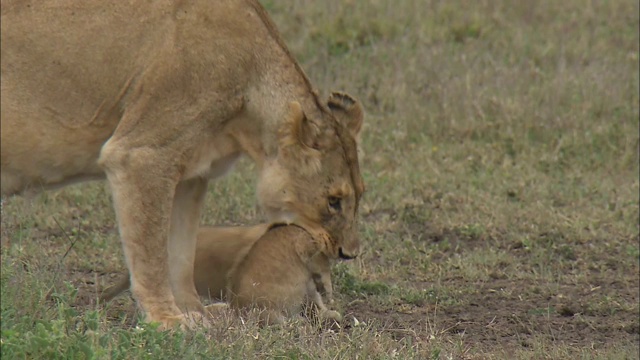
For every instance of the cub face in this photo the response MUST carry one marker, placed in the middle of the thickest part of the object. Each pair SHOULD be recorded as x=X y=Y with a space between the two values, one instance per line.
x=315 y=180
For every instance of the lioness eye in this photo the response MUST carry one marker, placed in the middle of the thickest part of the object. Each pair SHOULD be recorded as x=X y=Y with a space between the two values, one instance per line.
x=334 y=202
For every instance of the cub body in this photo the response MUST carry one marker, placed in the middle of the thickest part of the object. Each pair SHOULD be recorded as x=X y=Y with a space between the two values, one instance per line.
x=286 y=268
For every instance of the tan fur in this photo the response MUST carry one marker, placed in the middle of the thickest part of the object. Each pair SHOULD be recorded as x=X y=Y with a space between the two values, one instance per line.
x=160 y=97
x=218 y=249
x=284 y=269
x=274 y=270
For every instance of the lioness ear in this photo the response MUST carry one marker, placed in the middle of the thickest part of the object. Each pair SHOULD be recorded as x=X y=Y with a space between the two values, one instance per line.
x=296 y=139
x=347 y=111
x=295 y=130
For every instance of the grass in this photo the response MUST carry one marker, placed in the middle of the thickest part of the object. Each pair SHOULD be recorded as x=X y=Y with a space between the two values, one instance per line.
x=501 y=217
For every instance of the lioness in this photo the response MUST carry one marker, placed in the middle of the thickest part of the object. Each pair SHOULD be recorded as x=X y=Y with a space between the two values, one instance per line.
x=161 y=96
x=273 y=267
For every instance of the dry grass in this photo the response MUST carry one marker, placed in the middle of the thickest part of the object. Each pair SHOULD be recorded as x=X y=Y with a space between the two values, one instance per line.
x=501 y=218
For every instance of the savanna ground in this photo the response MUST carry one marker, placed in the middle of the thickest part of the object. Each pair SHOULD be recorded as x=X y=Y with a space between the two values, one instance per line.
x=501 y=217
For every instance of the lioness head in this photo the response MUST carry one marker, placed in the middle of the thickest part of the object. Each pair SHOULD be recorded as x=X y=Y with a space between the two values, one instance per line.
x=315 y=181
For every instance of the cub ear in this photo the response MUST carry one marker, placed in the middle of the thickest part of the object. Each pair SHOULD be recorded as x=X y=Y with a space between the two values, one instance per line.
x=296 y=140
x=347 y=111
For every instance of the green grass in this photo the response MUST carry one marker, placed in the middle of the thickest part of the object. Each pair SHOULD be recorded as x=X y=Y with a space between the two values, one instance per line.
x=501 y=215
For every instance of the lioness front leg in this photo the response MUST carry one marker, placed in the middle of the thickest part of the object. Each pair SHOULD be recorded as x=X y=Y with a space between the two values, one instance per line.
x=143 y=185
x=185 y=218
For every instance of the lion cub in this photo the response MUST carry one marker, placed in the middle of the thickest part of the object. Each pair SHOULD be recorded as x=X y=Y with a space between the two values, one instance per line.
x=284 y=269
x=275 y=268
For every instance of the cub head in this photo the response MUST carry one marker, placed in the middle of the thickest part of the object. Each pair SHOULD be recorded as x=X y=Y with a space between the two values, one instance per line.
x=315 y=180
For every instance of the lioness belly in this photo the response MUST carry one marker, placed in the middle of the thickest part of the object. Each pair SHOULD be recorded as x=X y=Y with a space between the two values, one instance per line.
x=36 y=160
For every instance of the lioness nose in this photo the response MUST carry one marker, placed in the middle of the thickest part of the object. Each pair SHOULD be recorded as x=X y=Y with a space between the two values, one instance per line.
x=342 y=255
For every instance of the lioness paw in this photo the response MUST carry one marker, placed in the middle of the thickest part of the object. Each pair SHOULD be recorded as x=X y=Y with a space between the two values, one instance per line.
x=217 y=308
x=195 y=320
x=184 y=322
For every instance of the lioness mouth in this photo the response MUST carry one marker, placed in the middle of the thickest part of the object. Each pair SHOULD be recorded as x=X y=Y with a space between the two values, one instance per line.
x=344 y=256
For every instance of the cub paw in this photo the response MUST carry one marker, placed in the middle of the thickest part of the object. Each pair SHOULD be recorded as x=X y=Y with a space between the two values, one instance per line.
x=271 y=317
x=331 y=314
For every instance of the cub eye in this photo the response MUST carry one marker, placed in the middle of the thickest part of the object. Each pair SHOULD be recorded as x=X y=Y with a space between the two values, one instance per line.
x=335 y=202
